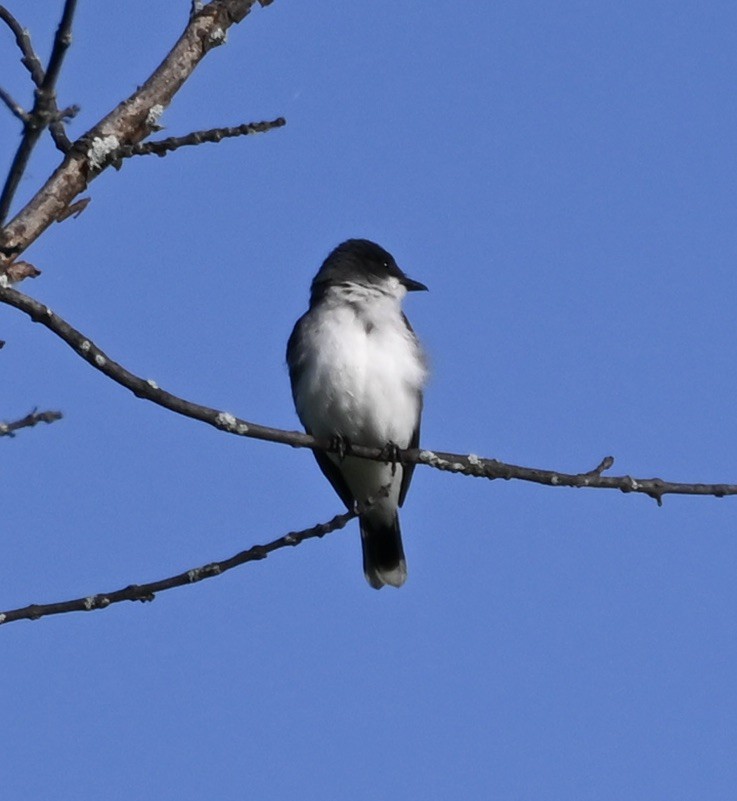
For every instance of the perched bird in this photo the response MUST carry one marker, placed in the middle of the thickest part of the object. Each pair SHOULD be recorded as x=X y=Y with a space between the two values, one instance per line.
x=357 y=373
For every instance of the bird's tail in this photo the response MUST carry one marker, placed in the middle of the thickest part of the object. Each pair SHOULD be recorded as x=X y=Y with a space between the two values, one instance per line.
x=383 y=554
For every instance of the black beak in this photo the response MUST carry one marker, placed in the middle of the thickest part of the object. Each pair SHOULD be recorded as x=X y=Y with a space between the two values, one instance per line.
x=413 y=286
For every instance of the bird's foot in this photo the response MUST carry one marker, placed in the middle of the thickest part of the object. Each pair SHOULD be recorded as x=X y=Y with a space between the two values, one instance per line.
x=341 y=445
x=390 y=453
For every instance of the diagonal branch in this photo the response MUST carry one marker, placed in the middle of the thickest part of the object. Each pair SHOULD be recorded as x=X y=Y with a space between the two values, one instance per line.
x=469 y=464
x=30 y=420
x=44 y=109
x=147 y=592
x=161 y=147
x=15 y=107
x=56 y=127
x=62 y=40
x=128 y=124
x=56 y=118
x=29 y=59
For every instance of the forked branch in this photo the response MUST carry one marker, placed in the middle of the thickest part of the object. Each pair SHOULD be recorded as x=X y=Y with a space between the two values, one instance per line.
x=44 y=111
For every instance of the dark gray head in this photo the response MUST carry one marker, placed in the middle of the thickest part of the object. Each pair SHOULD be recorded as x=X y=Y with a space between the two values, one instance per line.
x=361 y=262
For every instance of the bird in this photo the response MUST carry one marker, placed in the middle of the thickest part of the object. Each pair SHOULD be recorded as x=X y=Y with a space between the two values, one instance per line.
x=357 y=373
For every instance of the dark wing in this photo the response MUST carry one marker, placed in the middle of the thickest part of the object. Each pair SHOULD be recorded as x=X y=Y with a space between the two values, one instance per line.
x=332 y=473
x=409 y=469
x=295 y=362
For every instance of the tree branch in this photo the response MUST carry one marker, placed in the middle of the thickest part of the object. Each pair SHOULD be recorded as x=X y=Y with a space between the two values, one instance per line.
x=30 y=420
x=29 y=59
x=470 y=464
x=15 y=107
x=56 y=127
x=44 y=109
x=161 y=147
x=147 y=592
x=128 y=124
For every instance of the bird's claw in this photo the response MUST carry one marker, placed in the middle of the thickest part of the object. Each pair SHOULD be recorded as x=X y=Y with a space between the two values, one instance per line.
x=390 y=453
x=341 y=445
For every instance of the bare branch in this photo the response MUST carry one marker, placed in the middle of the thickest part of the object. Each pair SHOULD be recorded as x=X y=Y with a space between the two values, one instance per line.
x=147 y=592
x=30 y=420
x=56 y=127
x=15 y=107
x=470 y=464
x=44 y=109
x=29 y=59
x=128 y=124
x=62 y=40
x=56 y=117
x=163 y=146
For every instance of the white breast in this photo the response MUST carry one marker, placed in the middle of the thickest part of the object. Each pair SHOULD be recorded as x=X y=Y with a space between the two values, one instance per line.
x=363 y=373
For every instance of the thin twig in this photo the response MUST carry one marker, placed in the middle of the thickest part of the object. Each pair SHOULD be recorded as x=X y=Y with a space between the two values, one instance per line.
x=57 y=130
x=61 y=44
x=62 y=40
x=30 y=420
x=29 y=59
x=161 y=147
x=147 y=592
x=15 y=107
x=43 y=112
x=465 y=464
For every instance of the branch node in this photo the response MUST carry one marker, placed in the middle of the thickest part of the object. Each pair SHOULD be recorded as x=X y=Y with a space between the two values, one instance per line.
x=603 y=465
x=136 y=592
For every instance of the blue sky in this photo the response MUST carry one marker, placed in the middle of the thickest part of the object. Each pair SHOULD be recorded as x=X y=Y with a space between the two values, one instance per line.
x=562 y=176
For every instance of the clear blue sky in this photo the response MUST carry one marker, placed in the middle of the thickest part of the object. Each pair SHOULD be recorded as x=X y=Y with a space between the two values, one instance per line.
x=562 y=176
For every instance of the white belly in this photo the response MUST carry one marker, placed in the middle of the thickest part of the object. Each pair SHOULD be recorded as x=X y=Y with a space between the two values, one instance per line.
x=363 y=377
